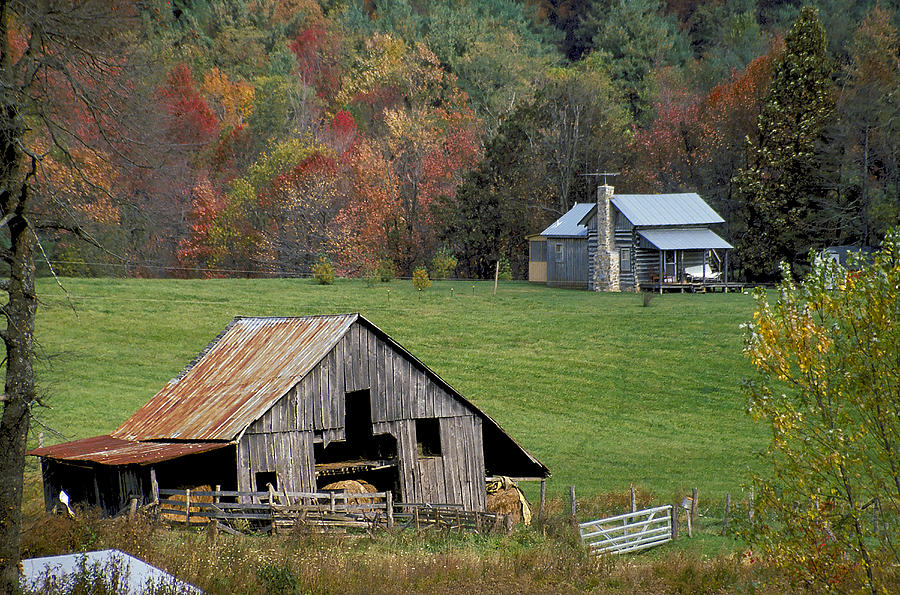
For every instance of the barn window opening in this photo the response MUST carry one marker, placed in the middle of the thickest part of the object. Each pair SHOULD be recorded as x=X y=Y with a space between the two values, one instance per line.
x=560 y=254
x=263 y=478
x=428 y=437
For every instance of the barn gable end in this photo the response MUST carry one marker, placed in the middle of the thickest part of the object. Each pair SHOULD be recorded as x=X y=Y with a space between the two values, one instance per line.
x=399 y=390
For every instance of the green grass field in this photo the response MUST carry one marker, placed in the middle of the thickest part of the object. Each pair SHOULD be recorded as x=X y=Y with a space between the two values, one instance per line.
x=602 y=390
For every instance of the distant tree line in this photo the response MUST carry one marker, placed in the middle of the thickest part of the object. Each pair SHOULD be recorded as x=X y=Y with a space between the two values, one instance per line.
x=379 y=133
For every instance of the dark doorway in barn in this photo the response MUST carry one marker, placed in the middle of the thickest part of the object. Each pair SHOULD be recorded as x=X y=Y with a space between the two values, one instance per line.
x=362 y=455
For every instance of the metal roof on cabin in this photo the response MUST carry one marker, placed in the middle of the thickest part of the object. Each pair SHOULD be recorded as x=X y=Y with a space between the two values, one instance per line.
x=685 y=239
x=568 y=226
x=665 y=209
x=237 y=378
x=115 y=451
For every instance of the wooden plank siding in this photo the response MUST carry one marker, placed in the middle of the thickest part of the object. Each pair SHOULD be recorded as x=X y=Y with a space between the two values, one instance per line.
x=400 y=392
x=568 y=268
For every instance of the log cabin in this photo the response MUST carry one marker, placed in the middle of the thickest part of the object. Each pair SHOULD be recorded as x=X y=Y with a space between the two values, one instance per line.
x=632 y=242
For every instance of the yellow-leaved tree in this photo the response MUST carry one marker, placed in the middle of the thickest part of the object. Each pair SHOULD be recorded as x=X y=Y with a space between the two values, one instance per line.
x=827 y=356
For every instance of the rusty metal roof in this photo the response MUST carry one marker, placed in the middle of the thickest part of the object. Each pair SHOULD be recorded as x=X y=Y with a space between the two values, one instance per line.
x=237 y=378
x=114 y=451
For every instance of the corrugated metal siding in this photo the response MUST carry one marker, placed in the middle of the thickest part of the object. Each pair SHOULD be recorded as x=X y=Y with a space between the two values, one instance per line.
x=685 y=239
x=569 y=226
x=666 y=209
x=239 y=378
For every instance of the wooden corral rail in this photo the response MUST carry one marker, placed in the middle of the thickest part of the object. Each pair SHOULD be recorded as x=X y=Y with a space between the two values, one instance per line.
x=629 y=532
x=273 y=510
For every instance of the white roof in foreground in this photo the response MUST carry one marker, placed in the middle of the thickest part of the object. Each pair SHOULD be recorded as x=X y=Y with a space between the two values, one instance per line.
x=135 y=576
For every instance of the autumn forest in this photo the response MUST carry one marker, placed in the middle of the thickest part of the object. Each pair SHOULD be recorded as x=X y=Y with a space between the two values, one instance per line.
x=258 y=137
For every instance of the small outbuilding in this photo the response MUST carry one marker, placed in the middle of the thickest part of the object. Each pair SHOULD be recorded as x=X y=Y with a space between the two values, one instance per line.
x=630 y=242
x=297 y=403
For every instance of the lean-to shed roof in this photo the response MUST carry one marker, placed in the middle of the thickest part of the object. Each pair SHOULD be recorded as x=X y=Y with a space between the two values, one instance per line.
x=114 y=451
x=569 y=225
x=665 y=209
x=685 y=239
x=237 y=378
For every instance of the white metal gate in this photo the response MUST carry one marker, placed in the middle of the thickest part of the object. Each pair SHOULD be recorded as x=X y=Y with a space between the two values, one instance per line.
x=628 y=532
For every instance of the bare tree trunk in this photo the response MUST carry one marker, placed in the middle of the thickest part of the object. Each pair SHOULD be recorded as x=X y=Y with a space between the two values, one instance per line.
x=18 y=336
x=19 y=339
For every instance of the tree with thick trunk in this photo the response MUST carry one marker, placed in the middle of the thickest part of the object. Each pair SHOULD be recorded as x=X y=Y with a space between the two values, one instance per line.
x=64 y=100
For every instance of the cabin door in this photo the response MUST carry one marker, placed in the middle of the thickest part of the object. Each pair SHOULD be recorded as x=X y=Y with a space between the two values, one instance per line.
x=673 y=264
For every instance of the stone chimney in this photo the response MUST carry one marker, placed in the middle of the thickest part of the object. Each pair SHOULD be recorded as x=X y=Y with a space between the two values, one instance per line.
x=606 y=259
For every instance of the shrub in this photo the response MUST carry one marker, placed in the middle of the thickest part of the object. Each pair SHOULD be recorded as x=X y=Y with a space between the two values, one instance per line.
x=420 y=279
x=69 y=262
x=323 y=272
x=505 y=269
x=443 y=264
x=385 y=270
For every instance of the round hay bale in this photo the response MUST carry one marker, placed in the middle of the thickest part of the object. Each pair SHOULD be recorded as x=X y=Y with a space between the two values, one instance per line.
x=506 y=501
x=505 y=497
x=352 y=486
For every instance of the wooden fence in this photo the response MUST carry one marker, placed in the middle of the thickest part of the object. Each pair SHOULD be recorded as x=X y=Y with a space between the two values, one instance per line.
x=274 y=510
x=628 y=532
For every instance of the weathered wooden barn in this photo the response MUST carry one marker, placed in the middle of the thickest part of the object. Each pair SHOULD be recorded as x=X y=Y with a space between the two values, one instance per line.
x=630 y=242
x=297 y=403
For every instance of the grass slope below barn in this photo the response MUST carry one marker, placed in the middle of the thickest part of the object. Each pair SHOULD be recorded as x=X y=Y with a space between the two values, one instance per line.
x=604 y=391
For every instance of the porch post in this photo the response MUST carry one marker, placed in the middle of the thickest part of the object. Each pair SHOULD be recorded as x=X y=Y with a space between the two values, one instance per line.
x=726 y=271
x=705 y=254
x=661 y=272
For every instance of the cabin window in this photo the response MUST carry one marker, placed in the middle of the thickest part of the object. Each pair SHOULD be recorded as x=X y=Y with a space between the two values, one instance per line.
x=560 y=253
x=538 y=250
x=625 y=260
x=428 y=437
x=263 y=478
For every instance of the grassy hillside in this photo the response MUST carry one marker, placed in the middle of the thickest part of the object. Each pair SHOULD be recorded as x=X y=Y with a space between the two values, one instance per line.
x=604 y=391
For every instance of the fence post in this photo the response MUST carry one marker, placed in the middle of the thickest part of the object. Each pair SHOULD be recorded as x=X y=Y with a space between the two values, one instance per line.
x=572 y=505
x=674 y=515
x=694 y=497
x=727 y=508
x=389 y=508
x=543 y=500
x=154 y=487
x=750 y=506
x=187 y=507
x=272 y=507
x=216 y=496
x=633 y=501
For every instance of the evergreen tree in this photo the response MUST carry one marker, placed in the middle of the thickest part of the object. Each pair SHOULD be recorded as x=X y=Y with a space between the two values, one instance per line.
x=783 y=186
